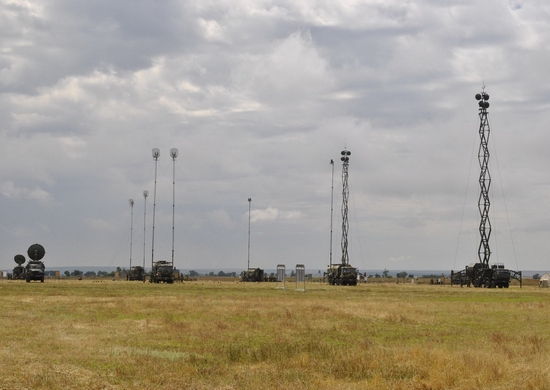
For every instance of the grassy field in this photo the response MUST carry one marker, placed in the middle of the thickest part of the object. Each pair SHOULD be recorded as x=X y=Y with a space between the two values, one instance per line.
x=228 y=335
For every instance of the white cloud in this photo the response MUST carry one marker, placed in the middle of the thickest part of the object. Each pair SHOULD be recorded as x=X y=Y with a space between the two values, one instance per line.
x=213 y=31
x=221 y=218
x=10 y=190
x=273 y=214
x=400 y=259
x=291 y=72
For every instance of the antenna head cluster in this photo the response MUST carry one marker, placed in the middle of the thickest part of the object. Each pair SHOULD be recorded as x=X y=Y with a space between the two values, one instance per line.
x=345 y=155
x=156 y=153
x=483 y=99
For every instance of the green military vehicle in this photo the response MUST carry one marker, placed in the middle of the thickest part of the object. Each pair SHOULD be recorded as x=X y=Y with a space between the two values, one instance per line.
x=34 y=271
x=136 y=273
x=342 y=274
x=19 y=270
x=35 y=268
x=163 y=271
x=252 y=275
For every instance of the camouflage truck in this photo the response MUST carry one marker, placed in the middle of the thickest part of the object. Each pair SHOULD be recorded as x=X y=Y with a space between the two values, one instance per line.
x=494 y=276
x=163 y=271
x=19 y=270
x=136 y=273
x=34 y=271
x=342 y=274
x=35 y=268
x=482 y=275
x=252 y=275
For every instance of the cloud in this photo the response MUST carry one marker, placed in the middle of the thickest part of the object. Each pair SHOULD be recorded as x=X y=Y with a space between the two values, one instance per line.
x=273 y=214
x=10 y=190
x=399 y=259
x=221 y=218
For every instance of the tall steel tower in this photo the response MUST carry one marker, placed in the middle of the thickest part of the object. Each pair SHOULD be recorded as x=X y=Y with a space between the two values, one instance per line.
x=331 y=210
x=156 y=155
x=174 y=155
x=345 y=196
x=131 y=201
x=484 y=252
x=482 y=274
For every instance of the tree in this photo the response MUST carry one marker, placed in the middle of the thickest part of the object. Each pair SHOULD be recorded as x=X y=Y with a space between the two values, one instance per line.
x=193 y=273
x=67 y=273
x=385 y=274
x=536 y=276
x=401 y=275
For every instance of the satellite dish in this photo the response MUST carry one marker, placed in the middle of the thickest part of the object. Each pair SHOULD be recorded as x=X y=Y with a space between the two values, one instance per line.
x=478 y=96
x=36 y=252
x=19 y=259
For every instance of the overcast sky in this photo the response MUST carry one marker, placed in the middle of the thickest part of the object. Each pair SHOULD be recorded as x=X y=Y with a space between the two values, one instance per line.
x=259 y=96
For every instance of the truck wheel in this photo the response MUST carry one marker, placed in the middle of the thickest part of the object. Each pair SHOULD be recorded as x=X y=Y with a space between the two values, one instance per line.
x=42 y=280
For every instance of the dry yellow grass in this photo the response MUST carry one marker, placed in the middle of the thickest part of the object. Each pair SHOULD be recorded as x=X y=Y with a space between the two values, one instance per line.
x=227 y=335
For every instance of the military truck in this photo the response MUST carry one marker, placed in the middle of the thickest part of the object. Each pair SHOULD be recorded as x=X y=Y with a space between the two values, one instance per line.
x=163 y=271
x=252 y=275
x=136 y=273
x=35 y=267
x=480 y=275
x=342 y=274
x=19 y=270
x=34 y=271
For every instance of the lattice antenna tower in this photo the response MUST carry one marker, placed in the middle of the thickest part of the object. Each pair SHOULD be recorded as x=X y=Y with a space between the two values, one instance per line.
x=484 y=203
x=345 y=196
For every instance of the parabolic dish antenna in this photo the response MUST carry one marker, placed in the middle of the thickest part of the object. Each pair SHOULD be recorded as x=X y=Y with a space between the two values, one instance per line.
x=19 y=259
x=36 y=252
